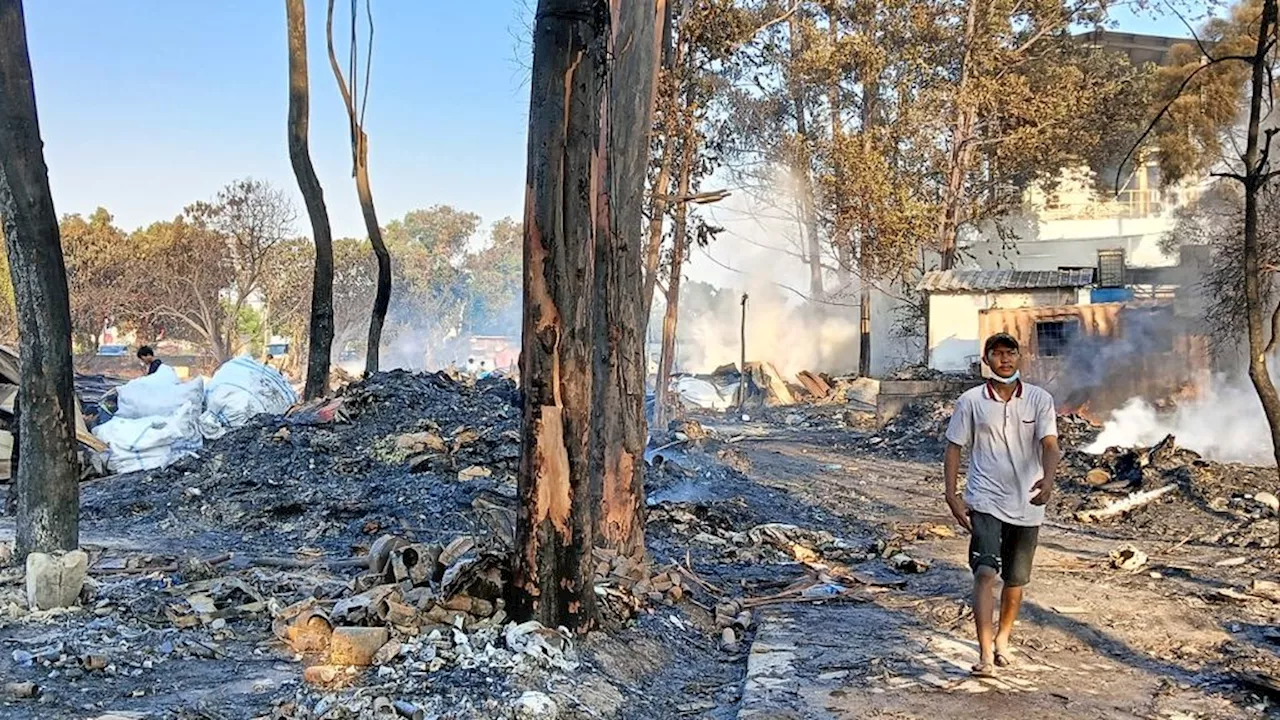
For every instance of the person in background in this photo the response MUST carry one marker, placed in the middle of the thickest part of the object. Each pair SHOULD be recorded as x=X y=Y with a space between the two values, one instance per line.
x=1011 y=430
x=148 y=358
x=472 y=367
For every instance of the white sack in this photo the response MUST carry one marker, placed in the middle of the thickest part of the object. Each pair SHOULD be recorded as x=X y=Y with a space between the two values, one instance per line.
x=240 y=389
x=159 y=394
x=151 y=442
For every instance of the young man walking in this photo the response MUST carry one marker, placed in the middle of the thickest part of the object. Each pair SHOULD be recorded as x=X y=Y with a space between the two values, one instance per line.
x=1011 y=431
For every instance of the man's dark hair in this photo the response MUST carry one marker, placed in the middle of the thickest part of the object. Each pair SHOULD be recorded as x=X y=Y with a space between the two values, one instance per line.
x=1004 y=340
x=146 y=351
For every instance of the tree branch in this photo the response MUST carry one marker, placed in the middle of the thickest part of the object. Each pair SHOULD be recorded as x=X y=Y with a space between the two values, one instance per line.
x=1199 y=43
x=342 y=87
x=368 y=63
x=1165 y=110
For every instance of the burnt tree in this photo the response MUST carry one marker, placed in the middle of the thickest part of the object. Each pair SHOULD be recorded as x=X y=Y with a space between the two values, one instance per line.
x=320 y=347
x=47 y=478
x=360 y=171
x=554 y=529
x=1257 y=172
x=581 y=364
x=622 y=307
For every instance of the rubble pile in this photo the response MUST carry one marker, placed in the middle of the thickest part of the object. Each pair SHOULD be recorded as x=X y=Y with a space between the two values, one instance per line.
x=397 y=452
x=1171 y=492
x=767 y=543
x=918 y=432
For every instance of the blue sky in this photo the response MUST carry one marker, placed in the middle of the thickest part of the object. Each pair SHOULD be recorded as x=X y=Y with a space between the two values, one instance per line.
x=148 y=105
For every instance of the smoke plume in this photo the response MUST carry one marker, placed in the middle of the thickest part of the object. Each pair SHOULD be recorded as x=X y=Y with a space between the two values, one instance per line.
x=1225 y=423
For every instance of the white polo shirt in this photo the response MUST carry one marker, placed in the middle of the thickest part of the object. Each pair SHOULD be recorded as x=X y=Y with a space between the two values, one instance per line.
x=1004 y=441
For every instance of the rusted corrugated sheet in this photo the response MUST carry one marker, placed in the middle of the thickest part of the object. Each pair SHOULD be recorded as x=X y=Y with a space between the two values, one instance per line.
x=1106 y=367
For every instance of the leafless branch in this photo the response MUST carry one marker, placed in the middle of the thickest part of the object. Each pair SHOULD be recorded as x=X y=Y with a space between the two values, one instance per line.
x=1199 y=43
x=368 y=61
x=342 y=86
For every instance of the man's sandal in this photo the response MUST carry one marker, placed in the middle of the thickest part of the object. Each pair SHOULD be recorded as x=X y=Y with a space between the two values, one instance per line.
x=983 y=670
x=1004 y=658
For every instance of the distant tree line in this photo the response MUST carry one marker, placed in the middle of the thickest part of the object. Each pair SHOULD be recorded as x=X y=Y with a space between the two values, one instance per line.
x=230 y=273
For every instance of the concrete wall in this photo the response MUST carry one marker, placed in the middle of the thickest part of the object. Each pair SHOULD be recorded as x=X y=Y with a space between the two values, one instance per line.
x=955 y=336
x=1051 y=244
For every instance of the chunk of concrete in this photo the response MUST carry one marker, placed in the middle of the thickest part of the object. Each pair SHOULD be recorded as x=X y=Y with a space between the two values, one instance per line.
x=54 y=581
x=534 y=705
x=356 y=645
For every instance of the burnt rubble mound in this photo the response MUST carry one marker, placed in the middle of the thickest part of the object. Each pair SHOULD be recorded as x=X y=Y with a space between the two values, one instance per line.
x=1170 y=492
x=394 y=452
x=919 y=431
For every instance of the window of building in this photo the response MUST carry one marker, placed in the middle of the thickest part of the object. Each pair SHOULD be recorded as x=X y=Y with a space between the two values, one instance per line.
x=1054 y=337
x=1111 y=268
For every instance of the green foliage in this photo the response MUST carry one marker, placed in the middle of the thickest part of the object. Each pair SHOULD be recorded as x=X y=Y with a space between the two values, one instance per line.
x=912 y=120
x=495 y=281
x=1203 y=98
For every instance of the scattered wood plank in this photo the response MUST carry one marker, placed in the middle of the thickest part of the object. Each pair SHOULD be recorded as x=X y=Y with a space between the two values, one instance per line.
x=1122 y=506
x=814 y=384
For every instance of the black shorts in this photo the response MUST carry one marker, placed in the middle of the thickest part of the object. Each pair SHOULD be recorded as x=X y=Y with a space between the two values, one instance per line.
x=1007 y=549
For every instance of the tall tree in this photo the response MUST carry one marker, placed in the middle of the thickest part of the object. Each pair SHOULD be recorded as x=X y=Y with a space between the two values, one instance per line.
x=321 y=331
x=554 y=529
x=48 y=471
x=100 y=264
x=207 y=266
x=621 y=314
x=1246 y=41
x=582 y=259
x=355 y=106
x=706 y=37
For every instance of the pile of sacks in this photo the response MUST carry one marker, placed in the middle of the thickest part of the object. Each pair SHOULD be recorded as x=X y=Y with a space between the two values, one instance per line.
x=160 y=419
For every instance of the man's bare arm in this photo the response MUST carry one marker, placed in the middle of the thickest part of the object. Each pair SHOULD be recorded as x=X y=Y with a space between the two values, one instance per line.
x=1049 y=457
x=951 y=478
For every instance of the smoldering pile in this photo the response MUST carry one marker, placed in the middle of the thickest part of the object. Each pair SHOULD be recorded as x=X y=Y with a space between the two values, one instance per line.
x=919 y=432
x=1172 y=492
x=393 y=452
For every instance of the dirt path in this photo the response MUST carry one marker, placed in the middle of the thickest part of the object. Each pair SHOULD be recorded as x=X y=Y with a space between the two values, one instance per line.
x=1093 y=641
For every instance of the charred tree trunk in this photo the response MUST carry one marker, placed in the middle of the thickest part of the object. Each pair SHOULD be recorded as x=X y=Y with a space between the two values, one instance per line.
x=803 y=170
x=320 y=343
x=555 y=523
x=47 y=478
x=360 y=170
x=668 y=99
x=679 y=246
x=961 y=155
x=382 y=296
x=1257 y=153
x=621 y=312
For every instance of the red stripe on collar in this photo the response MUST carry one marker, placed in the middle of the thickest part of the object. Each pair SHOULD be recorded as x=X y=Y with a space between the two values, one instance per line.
x=990 y=391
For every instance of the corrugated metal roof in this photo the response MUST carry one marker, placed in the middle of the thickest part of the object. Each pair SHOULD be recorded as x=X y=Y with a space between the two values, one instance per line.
x=988 y=280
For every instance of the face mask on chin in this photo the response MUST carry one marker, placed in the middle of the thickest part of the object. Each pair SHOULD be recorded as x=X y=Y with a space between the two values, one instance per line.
x=1015 y=377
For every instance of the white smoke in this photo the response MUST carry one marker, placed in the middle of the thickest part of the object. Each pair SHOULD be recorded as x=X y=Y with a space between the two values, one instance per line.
x=794 y=336
x=759 y=252
x=1225 y=423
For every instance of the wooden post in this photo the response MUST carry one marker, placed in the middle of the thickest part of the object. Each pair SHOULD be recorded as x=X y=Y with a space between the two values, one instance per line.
x=742 y=366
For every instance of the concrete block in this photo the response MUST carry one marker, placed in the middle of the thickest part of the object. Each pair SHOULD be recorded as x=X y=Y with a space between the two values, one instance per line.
x=54 y=581
x=356 y=645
